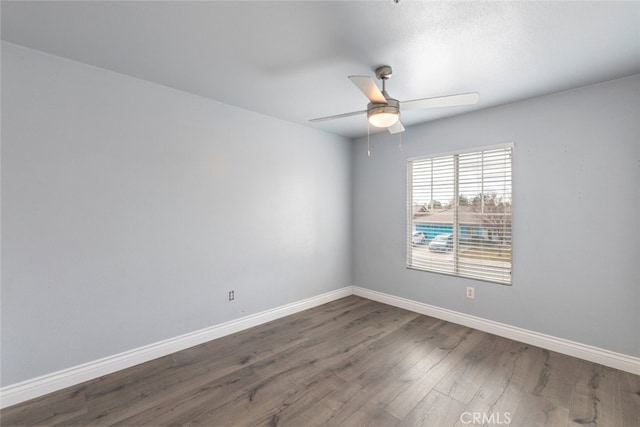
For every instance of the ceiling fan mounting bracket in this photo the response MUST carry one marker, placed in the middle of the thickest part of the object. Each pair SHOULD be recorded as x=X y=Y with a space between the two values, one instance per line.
x=383 y=72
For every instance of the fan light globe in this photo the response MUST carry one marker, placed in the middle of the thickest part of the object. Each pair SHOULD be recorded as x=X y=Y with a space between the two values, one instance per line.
x=383 y=116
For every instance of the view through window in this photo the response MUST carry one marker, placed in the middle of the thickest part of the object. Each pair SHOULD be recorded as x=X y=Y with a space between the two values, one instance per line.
x=460 y=214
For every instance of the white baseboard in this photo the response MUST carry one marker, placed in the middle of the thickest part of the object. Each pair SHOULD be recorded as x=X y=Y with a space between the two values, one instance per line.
x=40 y=386
x=586 y=352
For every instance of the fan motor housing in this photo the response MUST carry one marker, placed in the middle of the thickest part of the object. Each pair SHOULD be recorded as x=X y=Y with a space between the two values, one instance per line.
x=391 y=106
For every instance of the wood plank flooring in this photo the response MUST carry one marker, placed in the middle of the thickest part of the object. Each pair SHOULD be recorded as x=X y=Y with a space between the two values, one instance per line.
x=351 y=362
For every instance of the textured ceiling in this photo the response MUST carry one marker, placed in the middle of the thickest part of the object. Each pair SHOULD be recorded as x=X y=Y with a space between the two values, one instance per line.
x=290 y=60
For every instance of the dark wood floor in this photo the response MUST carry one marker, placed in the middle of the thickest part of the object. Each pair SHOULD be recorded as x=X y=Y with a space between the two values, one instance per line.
x=352 y=362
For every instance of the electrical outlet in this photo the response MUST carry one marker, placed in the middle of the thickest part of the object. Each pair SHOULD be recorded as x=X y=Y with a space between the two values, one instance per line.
x=471 y=292
x=232 y=295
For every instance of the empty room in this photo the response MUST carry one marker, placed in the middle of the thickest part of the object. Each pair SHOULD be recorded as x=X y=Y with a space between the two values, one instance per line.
x=320 y=213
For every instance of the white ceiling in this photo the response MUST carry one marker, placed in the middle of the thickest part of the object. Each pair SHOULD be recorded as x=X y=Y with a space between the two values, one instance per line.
x=290 y=60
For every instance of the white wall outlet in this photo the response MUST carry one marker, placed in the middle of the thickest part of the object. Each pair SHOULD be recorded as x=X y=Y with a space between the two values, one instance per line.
x=471 y=292
x=232 y=295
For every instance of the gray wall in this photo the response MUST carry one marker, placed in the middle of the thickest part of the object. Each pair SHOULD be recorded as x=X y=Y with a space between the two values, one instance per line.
x=576 y=173
x=129 y=210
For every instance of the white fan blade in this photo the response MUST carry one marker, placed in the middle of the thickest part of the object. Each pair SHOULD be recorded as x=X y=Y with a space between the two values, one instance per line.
x=338 y=116
x=441 y=101
x=397 y=127
x=369 y=88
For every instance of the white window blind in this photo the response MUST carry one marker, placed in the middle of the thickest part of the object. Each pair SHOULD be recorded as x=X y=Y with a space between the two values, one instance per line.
x=460 y=214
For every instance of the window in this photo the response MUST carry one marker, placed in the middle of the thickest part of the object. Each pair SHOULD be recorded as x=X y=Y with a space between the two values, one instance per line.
x=460 y=214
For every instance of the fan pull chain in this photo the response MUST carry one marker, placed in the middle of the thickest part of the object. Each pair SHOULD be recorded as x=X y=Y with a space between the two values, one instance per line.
x=368 y=141
x=400 y=144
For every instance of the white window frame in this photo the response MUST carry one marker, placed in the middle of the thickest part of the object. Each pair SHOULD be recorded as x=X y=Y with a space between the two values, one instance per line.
x=484 y=267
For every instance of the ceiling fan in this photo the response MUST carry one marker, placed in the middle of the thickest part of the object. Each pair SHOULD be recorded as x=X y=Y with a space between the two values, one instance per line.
x=384 y=111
